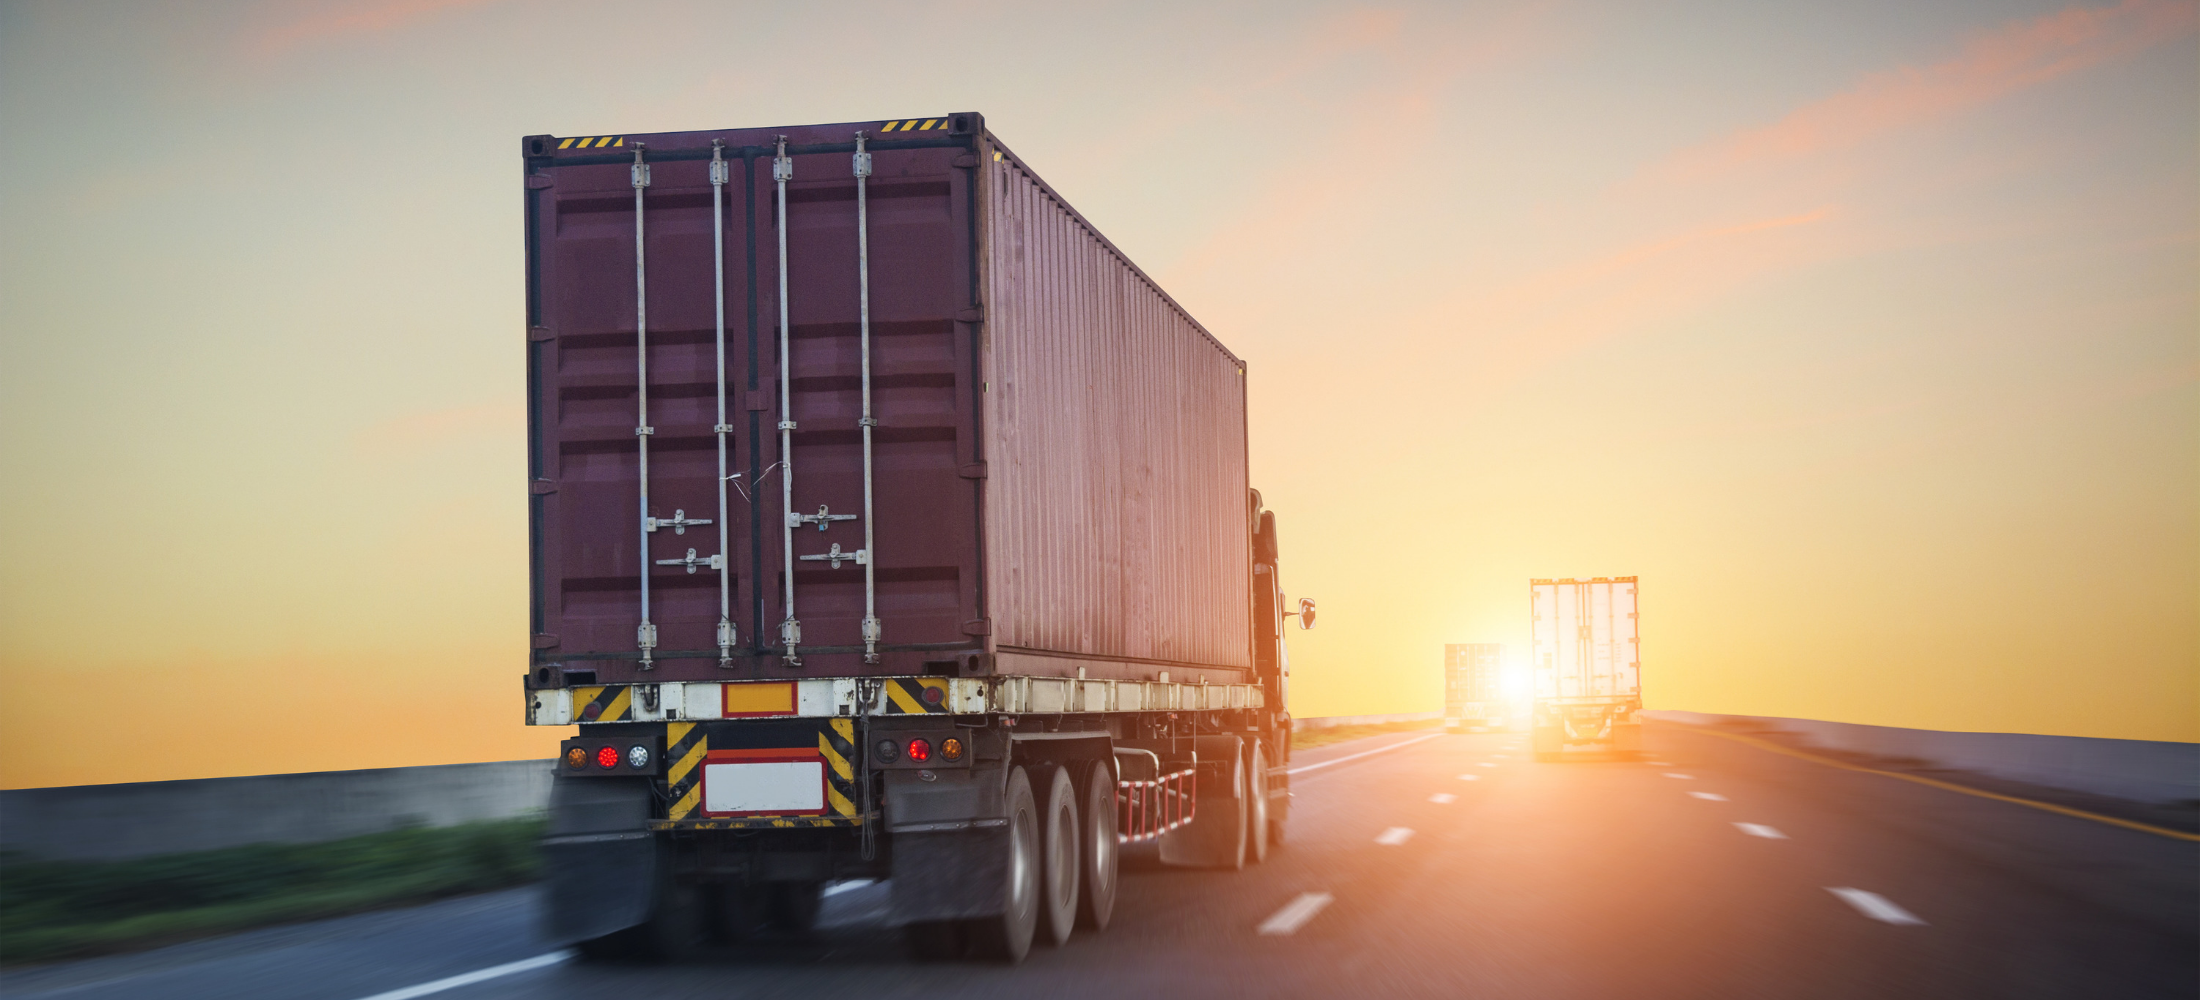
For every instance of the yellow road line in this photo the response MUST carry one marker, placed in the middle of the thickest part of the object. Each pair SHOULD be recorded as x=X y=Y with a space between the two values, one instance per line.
x=2159 y=831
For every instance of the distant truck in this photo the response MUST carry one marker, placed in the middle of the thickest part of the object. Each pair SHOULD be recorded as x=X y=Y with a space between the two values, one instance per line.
x=885 y=523
x=1588 y=665
x=1474 y=697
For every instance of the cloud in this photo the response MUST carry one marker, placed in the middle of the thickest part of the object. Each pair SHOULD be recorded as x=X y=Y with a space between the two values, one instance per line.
x=351 y=20
x=2017 y=56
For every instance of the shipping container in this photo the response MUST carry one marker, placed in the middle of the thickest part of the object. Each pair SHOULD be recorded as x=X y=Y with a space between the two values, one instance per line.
x=1587 y=662
x=868 y=484
x=1474 y=686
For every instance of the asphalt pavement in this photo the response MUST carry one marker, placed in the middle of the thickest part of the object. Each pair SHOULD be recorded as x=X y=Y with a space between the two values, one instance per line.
x=1417 y=865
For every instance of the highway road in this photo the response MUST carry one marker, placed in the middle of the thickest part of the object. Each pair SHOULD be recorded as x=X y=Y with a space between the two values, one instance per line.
x=1418 y=865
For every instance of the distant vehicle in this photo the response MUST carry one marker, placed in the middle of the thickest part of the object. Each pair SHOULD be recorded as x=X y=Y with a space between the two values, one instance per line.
x=1474 y=696
x=885 y=523
x=1588 y=667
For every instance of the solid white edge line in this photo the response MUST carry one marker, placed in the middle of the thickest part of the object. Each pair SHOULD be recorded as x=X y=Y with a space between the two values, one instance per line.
x=1876 y=906
x=1295 y=913
x=470 y=978
x=1367 y=753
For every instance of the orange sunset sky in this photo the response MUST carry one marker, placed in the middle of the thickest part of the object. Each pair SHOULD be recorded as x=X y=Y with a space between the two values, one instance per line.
x=1866 y=334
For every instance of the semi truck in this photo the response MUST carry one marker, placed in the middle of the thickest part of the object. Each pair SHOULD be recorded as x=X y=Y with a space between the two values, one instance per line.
x=1588 y=665
x=885 y=522
x=1474 y=692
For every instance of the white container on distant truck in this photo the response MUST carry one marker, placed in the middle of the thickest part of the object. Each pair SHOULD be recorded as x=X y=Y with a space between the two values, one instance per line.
x=1588 y=664
x=1474 y=696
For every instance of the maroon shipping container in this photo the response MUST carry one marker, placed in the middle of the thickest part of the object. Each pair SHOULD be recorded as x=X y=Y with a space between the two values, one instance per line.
x=1057 y=456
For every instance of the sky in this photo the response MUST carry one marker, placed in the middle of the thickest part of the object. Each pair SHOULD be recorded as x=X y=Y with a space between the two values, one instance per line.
x=1867 y=335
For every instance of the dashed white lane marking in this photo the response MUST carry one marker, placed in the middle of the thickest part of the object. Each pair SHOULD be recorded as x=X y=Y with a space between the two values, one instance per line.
x=1876 y=906
x=1394 y=836
x=1760 y=830
x=1485 y=764
x=837 y=888
x=1296 y=913
x=1677 y=774
x=476 y=976
x=1709 y=796
x=1367 y=753
x=1443 y=798
x=1470 y=777
x=1659 y=763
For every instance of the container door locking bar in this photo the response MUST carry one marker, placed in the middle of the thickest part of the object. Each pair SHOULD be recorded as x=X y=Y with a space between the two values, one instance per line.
x=645 y=635
x=719 y=174
x=790 y=629
x=864 y=556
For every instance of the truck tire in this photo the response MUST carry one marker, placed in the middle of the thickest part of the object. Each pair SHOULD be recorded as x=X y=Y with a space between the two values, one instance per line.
x=1006 y=936
x=1059 y=870
x=1256 y=803
x=1098 y=851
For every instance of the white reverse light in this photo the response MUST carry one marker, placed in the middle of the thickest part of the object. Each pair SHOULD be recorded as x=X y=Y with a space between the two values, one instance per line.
x=637 y=757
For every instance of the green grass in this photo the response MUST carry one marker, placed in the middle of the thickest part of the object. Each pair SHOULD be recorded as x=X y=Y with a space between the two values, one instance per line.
x=1301 y=739
x=65 y=909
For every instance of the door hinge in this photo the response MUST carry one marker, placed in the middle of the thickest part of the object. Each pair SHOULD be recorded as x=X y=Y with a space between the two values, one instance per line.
x=540 y=181
x=974 y=314
x=542 y=486
x=545 y=640
x=538 y=334
x=978 y=626
x=974 y=470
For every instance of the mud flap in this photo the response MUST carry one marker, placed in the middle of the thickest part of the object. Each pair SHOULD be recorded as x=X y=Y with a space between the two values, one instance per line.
x=1216 y=836
x=599 y=858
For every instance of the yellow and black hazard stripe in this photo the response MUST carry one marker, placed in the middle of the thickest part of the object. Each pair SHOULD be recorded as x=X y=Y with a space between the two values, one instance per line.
x=916 y=695
x=685 y=745
x=837 y=744
x=914 y=124
x=593 y=142
x=610 y=703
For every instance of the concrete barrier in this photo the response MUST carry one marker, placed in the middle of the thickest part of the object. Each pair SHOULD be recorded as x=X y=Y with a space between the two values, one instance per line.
x=1337 y=721
x=2139 y=770
x=109 y=822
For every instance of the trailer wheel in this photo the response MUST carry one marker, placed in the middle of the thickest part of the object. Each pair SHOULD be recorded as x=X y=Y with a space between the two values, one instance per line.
x=1099 y=849
x=1007 y=936
x=1058 y=873
x=1256 y=804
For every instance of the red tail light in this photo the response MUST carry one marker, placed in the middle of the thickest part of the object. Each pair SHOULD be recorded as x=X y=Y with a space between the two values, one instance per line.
x=920 y=750
x=607 y=757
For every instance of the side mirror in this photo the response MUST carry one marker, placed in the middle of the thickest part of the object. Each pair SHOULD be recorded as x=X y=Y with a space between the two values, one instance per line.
x=1306 y=613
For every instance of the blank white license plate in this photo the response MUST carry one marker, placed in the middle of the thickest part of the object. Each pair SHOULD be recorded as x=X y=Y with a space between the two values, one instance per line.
x=775 y=786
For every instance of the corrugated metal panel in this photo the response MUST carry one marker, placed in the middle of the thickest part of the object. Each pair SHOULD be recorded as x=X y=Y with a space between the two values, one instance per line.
x=1585 y=638
x=1115 y=437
